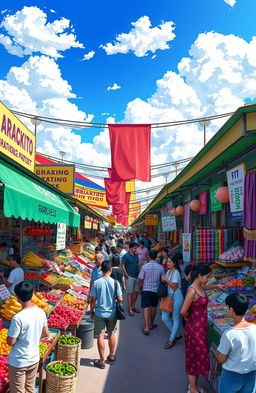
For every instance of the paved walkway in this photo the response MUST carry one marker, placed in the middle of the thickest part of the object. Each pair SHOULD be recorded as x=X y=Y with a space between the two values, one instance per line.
x=142 y=365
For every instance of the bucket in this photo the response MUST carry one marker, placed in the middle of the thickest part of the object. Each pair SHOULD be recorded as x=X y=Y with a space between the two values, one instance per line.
x=86 y=333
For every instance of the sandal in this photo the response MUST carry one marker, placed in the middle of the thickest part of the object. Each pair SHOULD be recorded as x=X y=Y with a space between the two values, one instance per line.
x=131 y=314
x=153 y=326
x=111 y=360
x=99 y=364
x=136 y=310
x=169 y=345
x=146 y=332
x=178 y=338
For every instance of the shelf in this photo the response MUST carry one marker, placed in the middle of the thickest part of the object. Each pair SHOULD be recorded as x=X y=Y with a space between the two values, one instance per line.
x=233 y=264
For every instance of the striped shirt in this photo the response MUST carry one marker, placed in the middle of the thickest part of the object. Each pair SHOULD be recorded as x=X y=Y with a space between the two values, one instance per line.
x=151 y=273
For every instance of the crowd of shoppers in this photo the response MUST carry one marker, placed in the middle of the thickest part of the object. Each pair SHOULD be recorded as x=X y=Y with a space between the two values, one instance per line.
x=139 y=270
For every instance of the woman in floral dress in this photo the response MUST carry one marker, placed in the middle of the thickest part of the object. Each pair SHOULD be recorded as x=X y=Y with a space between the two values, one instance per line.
x=194 y=310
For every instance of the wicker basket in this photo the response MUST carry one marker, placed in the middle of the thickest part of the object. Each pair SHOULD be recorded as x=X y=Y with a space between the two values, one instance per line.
x=70 y=353
x=60 y=384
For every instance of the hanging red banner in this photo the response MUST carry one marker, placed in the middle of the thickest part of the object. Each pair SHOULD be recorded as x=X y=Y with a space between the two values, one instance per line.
x=130 y=151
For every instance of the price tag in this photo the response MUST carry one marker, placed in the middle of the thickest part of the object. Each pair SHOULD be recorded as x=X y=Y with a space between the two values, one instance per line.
x=4 y=292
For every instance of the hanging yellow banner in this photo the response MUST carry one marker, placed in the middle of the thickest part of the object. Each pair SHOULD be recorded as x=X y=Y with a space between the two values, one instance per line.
x=90 y=196
x=16 y=141
x=130 y=187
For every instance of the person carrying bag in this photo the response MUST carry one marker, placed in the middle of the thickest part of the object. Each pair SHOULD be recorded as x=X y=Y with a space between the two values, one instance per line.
x=120 y=311
x=171 y=304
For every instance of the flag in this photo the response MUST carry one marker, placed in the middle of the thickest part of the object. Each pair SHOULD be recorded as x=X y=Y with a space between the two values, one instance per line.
x=115 y=191
x=130 y=151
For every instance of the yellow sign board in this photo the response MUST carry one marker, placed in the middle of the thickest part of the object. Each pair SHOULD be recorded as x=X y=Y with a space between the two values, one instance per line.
x=95 y=226
x=60 y=176
x=87 y=224
x=130 y=187
x=16 y=141
x=151 y=219
x=90 y=196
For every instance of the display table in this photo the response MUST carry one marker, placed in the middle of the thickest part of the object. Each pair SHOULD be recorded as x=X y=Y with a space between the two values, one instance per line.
x=233 y=264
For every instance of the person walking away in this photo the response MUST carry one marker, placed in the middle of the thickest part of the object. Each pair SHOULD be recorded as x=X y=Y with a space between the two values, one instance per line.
x=96 y=271
x=105 y=248
x=145 y=240
x=143 y=254
x=104 y=294
x=16 y=275
x=25 y=331
x=121 y=251
x=149 y=280
x=129 y=264
x=117 y=272
x=164 y=257
x=237 y=350
x=172 y=320
x=113 y=252
x=194 y=310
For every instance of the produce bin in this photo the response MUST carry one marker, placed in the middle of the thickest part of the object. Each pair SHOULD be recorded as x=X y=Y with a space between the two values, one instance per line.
x=70 y=353
x=59 y=384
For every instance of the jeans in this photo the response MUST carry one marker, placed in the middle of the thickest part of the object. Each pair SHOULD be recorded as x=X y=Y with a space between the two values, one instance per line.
x=173 y=320
x=231 y=382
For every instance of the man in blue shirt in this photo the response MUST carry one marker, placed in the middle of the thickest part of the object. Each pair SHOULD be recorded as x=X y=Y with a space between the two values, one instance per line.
x=129 y=264
x=104 y=294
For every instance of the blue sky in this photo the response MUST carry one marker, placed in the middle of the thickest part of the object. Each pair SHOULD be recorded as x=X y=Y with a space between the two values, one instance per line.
x=139 y=98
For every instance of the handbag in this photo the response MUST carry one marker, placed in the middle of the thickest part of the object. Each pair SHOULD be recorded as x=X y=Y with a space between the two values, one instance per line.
x=166 y=304
x=120 y=311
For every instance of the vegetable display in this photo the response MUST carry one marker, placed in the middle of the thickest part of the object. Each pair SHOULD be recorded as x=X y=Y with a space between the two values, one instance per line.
x=68 y=340
x=63 y=369
x=74 y=304
x=234 y=254
x=43 y=348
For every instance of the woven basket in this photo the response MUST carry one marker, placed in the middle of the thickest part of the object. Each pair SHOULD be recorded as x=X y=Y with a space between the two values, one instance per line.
x=60 y=384
x=70 y=353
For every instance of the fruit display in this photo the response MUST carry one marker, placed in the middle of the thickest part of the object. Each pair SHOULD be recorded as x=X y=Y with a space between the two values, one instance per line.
x=10 y=308
x=50 y=278
x=31 y=276
x=61 y=368
x=68 y=340
x=74 y=304
x=4 y=347
x=4 y=377
x=57 y=320
x=32 y=259
x=43 y=346
x=65 y=281
x=70 y=316
x=234 y=254
x=69 y=297
x=50 y=297
x=235 y=283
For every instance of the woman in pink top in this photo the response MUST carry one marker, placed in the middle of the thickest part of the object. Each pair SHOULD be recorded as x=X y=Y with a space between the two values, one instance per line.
x=143 y=255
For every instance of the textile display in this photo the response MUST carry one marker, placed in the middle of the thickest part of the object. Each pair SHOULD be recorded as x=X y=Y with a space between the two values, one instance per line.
x=210 y=243
x=130 y=151
x=249 y=220
x=175 y=236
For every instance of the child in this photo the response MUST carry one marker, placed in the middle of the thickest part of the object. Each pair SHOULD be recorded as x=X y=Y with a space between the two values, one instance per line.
x=237 y=350
x=26 y=329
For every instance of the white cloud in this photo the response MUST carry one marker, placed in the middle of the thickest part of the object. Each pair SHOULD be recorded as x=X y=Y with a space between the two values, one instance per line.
x=27 y=32
x=230 y=2
x=142 y=38
x=52 y=11
x=114 y=87
x=4 y=11
x=89 y=55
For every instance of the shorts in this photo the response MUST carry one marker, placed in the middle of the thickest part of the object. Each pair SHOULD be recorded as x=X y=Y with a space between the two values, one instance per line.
x=132 y=285
x=105 y=324
x=231 y=382
x=149 y=299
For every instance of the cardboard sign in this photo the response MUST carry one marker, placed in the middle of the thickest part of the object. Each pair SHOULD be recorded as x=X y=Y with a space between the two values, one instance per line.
x=61 y=236
x=168 y=223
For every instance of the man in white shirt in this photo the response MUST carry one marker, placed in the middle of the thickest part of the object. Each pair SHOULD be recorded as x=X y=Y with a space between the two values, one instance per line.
x=237 y=350
x=121 y=251
x=16 y=276
x=26 y=329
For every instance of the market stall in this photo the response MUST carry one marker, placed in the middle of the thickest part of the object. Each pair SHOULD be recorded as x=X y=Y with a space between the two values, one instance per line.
x=63 y=292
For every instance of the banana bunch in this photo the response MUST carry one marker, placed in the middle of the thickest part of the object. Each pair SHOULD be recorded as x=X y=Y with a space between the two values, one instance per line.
x=31 y=259
x=10 y=307
x=39 y=301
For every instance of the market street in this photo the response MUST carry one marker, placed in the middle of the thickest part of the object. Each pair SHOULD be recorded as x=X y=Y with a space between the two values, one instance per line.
x=142 y=365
